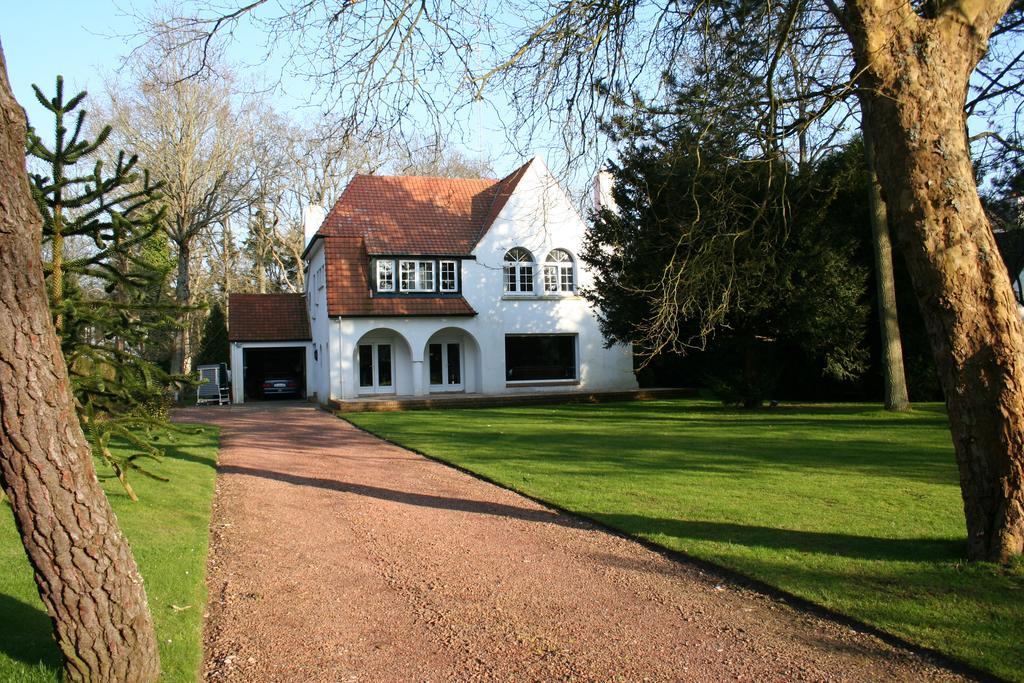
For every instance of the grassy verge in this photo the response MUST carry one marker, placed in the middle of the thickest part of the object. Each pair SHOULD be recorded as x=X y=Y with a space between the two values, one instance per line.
x=847 y=506
x=169 y=533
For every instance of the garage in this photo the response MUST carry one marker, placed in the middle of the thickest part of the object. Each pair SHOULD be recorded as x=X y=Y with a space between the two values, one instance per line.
x=274 y=372
x=270 y=347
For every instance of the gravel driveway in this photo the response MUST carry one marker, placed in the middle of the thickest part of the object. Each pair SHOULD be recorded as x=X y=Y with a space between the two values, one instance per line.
x=338 y=557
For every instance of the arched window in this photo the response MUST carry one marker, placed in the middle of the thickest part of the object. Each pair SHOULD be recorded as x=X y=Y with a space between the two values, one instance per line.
x=559 y=275
x=519 y=271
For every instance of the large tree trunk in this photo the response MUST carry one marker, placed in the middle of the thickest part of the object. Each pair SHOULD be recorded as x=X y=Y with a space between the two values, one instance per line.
x=83 y=566
x=893 y=375
x=227 y=256
x=914 y=73
x=181 y=361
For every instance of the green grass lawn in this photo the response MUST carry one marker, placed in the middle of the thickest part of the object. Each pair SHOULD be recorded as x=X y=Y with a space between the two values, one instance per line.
x=169 y=531
x=847 y=506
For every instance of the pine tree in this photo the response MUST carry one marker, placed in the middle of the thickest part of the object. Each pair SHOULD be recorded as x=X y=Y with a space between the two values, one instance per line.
x=105 y=289
x=214 y=346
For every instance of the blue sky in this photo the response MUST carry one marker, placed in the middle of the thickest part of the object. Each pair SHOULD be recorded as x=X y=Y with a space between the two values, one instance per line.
x=86 y=41
x=73 y=38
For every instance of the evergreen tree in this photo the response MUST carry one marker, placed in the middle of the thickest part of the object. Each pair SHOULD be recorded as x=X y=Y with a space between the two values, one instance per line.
x=716 y=249
x=214 y=346
x=106 y=295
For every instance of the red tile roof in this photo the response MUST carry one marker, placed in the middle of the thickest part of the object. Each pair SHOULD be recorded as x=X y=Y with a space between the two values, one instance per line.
x=405 y=216
x=422 y=216
x=268 y=317
x=349 y=292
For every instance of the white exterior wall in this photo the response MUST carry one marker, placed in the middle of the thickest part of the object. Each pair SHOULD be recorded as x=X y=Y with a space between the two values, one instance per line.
x=539 y=217
x=319 y=325
x=409 y=338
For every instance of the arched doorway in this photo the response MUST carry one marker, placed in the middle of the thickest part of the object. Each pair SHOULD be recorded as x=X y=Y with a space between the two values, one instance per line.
x=452 y=362
x=383 y=363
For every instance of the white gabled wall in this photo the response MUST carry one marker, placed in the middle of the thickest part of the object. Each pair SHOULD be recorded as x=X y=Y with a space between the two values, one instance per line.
x=319 y=324
x=539 y=217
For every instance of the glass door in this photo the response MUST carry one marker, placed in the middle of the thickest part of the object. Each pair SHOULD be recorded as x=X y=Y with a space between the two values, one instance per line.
x=445 y=366
x=375 y=369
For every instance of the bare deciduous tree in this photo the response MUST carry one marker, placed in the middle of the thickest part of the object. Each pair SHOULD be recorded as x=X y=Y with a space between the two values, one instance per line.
x=436 y=156
x=194 y=137
x=894 y=376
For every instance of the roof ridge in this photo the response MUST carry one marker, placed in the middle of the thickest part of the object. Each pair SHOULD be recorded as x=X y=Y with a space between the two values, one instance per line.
x=266 y=294
x=428 y=177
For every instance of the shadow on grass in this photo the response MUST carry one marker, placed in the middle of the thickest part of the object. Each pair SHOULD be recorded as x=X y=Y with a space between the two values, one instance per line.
x=26 y=634
x=728 y=454
x=175 y=443
x=845 y=545
x=842 y=545
x=869 y=415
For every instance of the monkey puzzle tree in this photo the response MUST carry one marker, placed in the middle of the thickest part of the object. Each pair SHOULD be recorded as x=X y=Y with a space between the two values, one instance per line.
x=105 y=299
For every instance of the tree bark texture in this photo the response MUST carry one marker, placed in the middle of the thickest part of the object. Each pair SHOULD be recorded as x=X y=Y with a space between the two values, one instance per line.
x=83 y=565
x=913 y=73
x=893 y=374
x=182 y=359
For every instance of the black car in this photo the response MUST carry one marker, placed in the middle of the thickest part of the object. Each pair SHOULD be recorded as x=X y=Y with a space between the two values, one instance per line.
x=279 y=385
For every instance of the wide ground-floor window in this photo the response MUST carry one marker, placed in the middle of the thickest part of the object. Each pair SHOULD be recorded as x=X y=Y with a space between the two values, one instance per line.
x=538 y=357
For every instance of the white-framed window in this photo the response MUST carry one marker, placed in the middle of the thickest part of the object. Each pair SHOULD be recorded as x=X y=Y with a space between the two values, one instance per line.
x=449 y=276
x=559 y=273
x=518 y=271
x=416 y=276
x=385 y=275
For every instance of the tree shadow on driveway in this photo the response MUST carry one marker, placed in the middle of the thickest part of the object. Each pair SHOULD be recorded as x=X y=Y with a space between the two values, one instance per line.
x=846 y=545
x=416 y=499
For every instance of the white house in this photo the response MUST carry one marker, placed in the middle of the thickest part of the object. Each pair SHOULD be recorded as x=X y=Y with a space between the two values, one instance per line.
x=418 y=286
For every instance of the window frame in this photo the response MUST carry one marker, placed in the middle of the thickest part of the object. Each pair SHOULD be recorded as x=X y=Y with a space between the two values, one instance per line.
x=455 y=276
x=558 y=270
x=517 y=269
x=391 y=264
x=575 y=379
x=417 y=270
x=375 y=367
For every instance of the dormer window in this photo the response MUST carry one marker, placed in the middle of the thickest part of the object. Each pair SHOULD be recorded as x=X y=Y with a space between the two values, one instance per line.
x=416 y=276
x=449 y=276
x=385 y=276
x=518 y=271
x=559 y=275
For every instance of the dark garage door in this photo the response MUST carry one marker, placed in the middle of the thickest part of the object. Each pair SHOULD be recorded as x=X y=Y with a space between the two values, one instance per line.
x=273 y=363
